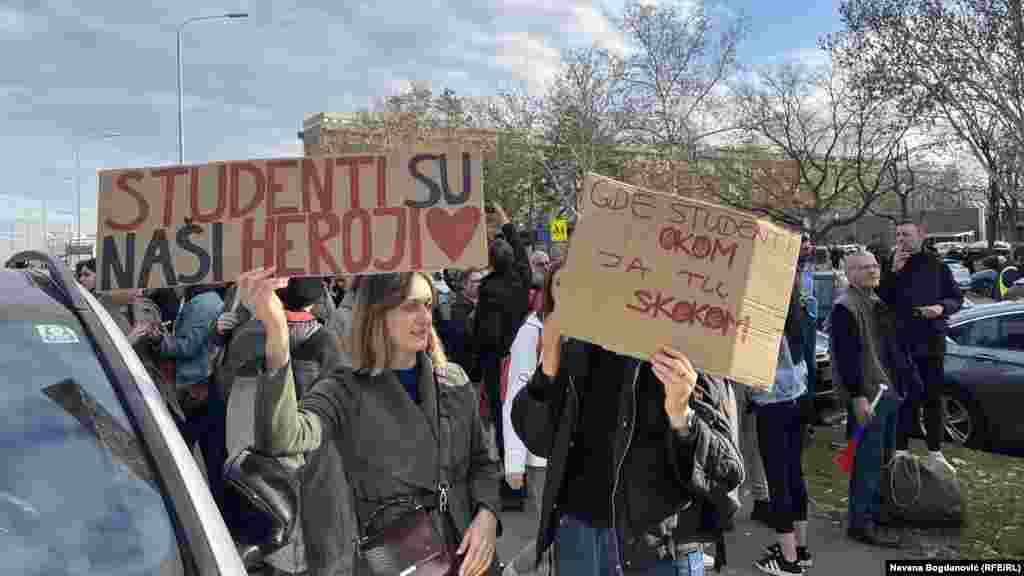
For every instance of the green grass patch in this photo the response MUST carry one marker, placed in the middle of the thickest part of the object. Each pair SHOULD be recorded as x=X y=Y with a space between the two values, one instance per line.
x=993 y=488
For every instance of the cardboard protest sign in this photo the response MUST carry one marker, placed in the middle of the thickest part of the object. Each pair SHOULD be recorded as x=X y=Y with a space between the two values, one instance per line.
x=415 y=209
x=647 y=269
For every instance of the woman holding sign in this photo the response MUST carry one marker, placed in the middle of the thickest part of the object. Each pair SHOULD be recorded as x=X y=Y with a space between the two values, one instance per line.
x=780 y=431
x=404 y=419
x=639 y=458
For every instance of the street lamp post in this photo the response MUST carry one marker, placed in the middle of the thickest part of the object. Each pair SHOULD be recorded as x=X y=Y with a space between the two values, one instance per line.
x=78 y=176
x=181 y=27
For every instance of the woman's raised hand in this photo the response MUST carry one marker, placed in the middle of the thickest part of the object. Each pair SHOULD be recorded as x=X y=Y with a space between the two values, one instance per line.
x=257 y=291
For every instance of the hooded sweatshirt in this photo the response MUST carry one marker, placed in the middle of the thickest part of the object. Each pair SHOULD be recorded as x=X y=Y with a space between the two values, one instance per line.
x=524 y=361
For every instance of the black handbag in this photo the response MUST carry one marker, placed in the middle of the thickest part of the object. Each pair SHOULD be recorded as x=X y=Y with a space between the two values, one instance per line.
x=262 y=503
x=400 y=536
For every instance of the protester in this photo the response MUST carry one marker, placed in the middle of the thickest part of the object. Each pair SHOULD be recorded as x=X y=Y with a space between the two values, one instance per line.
x=540 y=263
x=502 y=308
x=522 y=466
x=85 y=272
x=202 y=399
x=808 y=332
x=459 y=338
x=631 y=497
x=859 y=368
x=921 y=292
x=755 y=484
x=315 y=351
x=385 y=412
x=780 y=431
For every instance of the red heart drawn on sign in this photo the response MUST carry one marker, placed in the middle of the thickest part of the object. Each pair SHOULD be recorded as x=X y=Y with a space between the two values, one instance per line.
x=452 y=232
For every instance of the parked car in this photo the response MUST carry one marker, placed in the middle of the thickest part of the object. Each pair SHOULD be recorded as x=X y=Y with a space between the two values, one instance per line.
x=828 y=286
x=984 y=377
x=825 y=393
x=961 y=275
x=97 y=479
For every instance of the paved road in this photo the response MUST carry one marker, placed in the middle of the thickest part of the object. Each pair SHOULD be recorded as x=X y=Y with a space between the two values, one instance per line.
x=834 y=554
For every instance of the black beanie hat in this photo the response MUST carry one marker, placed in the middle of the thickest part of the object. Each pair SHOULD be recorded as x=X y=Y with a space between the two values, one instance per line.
x=301 y=292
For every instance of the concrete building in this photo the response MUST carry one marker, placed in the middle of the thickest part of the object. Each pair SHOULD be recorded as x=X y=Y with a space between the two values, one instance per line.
x=31 y=224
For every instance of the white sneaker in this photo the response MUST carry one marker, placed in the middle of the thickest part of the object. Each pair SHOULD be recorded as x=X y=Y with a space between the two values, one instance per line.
x=938 y=458
x=709 y=562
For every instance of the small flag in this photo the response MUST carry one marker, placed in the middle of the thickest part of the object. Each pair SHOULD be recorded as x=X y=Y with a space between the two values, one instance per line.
x=844 y=458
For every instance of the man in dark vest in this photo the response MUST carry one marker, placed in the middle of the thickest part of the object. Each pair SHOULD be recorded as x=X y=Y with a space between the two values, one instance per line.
x=858 y=368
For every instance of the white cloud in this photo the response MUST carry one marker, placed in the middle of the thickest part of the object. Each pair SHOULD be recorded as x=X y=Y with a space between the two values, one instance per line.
x=583 y=19
x=12 y=21
x=286 y=149
x=592 y=23
x=529 y=57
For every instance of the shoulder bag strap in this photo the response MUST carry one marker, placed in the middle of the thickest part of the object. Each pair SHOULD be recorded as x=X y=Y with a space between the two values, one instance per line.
x=442 y=486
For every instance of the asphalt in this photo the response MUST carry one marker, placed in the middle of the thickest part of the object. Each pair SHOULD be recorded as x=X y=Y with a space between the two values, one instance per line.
x=834 y=554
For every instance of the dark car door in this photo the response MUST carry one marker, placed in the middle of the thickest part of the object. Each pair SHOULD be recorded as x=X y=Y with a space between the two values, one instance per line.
x=985 y=369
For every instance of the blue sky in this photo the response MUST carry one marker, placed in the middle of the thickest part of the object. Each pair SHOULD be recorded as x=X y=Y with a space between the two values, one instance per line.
x=74 y=69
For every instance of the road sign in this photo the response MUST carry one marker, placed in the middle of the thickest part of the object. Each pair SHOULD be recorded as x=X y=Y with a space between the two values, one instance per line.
x=559 y=229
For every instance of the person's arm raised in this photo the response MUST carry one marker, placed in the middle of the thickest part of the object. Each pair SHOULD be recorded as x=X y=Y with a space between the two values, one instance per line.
x=280 y=427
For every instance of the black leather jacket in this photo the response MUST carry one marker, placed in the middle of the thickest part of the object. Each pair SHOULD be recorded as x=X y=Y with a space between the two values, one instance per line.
x=706 y=463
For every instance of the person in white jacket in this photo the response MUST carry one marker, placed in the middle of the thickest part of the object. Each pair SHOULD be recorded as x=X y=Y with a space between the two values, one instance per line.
x=520 y=464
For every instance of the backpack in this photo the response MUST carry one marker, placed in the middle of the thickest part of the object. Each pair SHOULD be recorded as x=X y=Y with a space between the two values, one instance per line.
x=918 y=492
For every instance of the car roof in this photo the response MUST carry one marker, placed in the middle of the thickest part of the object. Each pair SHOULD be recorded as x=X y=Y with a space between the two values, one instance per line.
x=985 y=310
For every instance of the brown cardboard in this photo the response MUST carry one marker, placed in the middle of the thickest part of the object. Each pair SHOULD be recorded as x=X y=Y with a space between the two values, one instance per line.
x=729 y=276
x=216 y=217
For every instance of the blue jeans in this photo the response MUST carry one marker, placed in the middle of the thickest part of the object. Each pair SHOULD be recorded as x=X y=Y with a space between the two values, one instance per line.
x=582 y=550
x=866 y=474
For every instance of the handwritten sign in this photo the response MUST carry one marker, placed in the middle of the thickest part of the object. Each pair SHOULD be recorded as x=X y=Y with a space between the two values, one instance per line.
x=418 y=209
x=559 y=229
x=647 y=269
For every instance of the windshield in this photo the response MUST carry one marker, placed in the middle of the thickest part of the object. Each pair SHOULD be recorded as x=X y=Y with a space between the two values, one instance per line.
x=77 y=495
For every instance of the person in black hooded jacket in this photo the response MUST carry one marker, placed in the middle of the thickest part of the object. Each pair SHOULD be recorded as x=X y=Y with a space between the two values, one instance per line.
x=640 y=460
x=502 y=307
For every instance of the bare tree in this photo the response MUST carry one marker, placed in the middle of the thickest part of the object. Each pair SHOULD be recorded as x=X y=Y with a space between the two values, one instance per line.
x=675 y=78
x=682 y=60
x=585 y=120
x=832 y=144
x=521 y=174
x=963 y=60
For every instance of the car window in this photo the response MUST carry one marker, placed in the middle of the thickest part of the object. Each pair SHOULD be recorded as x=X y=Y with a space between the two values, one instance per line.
x=77 y=492
x=1001 y=332
x=983 y=333
x=1013 y=331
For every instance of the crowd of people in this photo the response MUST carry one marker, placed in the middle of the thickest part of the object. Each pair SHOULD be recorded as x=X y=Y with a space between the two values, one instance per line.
x=627 y=465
